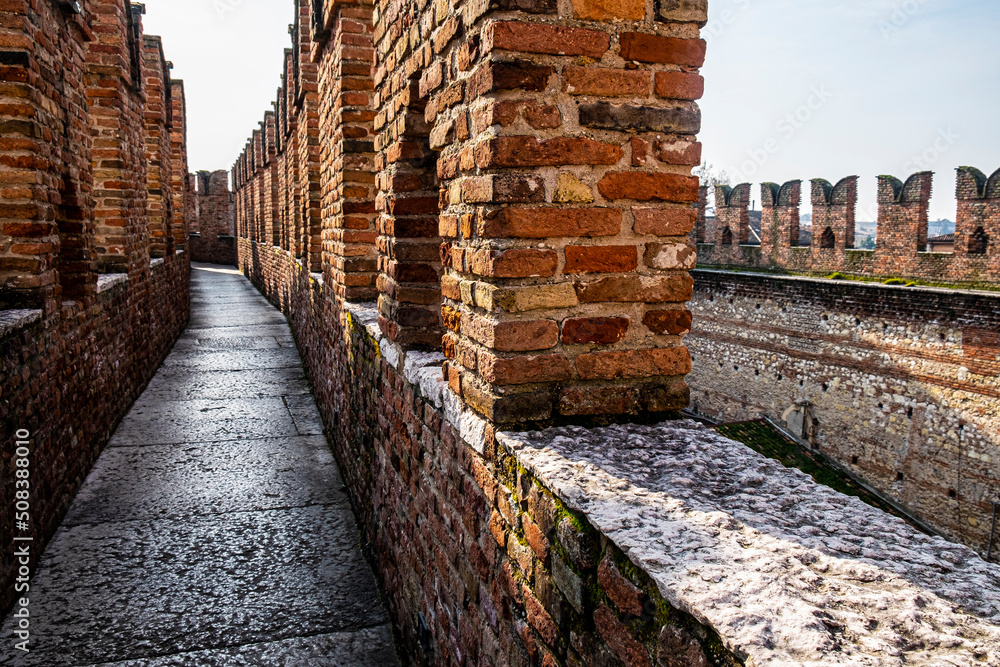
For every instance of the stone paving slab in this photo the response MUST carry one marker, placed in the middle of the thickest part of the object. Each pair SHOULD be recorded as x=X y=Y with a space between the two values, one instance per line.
x=183 y=383
x=229 y=360
x=214 y=530
x=174 y=482
x=204 y=421
x=371 y=647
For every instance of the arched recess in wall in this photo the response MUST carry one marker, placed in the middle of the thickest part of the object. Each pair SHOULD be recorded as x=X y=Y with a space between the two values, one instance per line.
x=828 y=240
x=727 y=236
x=979 y=242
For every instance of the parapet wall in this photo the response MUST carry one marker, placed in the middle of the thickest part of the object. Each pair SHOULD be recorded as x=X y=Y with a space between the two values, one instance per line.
x=635 y=545
x=901 y=245
x=898 y=385
x=213 y=229
x=93 y=282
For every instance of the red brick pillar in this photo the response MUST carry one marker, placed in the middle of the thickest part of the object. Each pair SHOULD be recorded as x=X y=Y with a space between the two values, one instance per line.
x=180 y=178
x=833 y=221
x=732 y=217
x=902 y=222
x=259 y=234
x=307 y=140
x=117 y=127
x=700 y=233
x=156 y=73
x=779 y=220
x=347 y=57
x=269 y=178
x=565 y=143
x=977 y=223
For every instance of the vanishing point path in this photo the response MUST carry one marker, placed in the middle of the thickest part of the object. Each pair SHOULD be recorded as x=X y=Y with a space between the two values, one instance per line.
x=214 y=530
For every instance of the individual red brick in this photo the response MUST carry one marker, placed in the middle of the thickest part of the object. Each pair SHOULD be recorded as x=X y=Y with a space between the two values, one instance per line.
x=594 y=330
x=609 y=10
x=517 y=75
x=673 y=322
x=511 y=336
x=590 y=400
x=666 y=221
x=622 y=592
x=646 y=186
x=641 y=289
x=540 y=619
x=680 y=85
x=514 y=263
x=551 y=39
x=671 y=256
x=634 y=363
x=524 y=370
x=683 y=152
x=658 y=49
x=540 y=223
x=519 y=151
x=605 y=82
x=536 y=539
x=627 y=648
x=601 y=259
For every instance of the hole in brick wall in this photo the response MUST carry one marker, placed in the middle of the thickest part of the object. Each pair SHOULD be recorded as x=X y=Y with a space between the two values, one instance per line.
x=899 y=477
x=952 y=493
x=826 y=387
x=909 y=412
x=758 y=306
x=736 y=368
x=756 y=373
x=828 y=240
x=802 y=383
x=854 y=460
x=978 y=242
x=826 y=318
x=941 y=336
x=779 y=377
x=731 y=302
x=727 y=237
x=881 y=406
x=857 y=322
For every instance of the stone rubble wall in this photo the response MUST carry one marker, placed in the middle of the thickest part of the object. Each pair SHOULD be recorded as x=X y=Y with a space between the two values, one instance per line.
x=901 y=243
x=898 y=385
x=86 y=312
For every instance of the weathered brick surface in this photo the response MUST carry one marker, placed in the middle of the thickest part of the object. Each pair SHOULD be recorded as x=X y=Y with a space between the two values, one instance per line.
x=467 y=153
x=887 y=381
x=901 y=244
x=81 y=103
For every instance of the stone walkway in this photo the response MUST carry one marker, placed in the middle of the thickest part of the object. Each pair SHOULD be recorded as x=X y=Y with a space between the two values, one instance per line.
x=215 y=529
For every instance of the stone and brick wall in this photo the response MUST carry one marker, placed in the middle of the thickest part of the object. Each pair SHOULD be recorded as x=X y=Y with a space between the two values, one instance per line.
x=213 y=237
x=898 y=385
x=86 y=315
x=901 y=245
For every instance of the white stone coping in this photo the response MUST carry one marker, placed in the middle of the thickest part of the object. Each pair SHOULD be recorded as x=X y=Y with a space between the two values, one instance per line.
x=106 y=281
x=13 y=320
x=156 y=261
x=788 y=572
x=179 y=251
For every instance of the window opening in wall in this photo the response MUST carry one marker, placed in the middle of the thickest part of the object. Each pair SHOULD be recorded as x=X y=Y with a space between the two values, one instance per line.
x=899 y=477
x=727 y=236
x=828 y=240
x=979 y=242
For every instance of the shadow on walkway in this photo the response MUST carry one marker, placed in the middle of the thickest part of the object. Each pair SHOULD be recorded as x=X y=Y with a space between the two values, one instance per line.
x=214 y=530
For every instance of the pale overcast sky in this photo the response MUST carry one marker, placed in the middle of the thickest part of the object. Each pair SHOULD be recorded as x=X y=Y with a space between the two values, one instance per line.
x=794 y=88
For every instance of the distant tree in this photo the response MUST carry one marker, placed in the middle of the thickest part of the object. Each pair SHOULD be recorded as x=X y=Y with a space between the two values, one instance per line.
x=868 y=243
x=709 y=175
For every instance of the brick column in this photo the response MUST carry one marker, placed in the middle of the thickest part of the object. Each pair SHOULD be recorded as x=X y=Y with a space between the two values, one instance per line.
x=779 y=226
x=346 y=129
x=700 y=232
x=732 y=216
x=833 y=221
x=565 y=143
x=269 y=181
x=306 y=84
x=180 y=178
x=159 y=175
x=977 y=223
x=902 y=222
x=116 y=123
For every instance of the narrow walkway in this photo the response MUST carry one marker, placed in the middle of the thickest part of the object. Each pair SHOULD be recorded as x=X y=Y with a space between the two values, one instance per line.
x=214 y=530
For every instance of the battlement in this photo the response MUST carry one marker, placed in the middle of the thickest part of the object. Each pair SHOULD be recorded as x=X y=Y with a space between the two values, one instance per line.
x=901 y=248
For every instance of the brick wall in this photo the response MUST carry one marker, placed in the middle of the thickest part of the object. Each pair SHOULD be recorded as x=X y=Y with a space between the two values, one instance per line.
x=214 y=241
x=896 y=384
x=901 y=244
x=503 y=190
x=481 y=563
x=85 y=316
